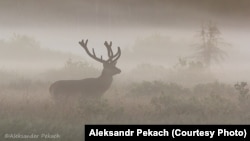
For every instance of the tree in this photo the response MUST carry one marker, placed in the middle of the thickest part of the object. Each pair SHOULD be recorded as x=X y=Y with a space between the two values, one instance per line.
x=209 y=48
x=24 y=41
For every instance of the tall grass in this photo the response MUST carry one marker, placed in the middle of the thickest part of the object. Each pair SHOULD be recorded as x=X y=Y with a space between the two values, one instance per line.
x=26 y=107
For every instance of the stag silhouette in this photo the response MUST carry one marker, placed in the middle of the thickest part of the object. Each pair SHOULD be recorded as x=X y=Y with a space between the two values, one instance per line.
x=89 y=87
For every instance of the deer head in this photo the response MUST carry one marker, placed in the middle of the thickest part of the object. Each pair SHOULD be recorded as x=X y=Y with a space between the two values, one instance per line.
x=109 y=65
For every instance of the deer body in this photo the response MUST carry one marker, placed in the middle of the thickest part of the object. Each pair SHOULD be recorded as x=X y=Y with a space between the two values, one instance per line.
x=88 y=87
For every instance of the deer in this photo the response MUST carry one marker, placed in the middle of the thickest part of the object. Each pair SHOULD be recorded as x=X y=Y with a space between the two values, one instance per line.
x=89 y=87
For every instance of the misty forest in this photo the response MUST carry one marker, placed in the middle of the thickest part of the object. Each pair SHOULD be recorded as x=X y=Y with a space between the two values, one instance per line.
x=64 y=64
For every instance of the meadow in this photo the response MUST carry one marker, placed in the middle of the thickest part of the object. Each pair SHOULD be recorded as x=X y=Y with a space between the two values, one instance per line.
x=27 y=107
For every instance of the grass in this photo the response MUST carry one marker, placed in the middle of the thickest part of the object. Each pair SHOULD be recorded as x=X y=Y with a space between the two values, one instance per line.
x=27 y=108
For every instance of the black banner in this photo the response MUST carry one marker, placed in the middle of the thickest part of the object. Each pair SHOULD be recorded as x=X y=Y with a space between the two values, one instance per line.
x=167 y=132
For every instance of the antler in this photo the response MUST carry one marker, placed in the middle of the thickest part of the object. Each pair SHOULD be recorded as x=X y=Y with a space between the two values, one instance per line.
x=84 y=45
x=111 y=57
x=111 y=54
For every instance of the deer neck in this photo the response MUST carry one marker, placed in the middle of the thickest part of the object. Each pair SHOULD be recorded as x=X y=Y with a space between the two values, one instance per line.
x=104 y=81
x=106 y=77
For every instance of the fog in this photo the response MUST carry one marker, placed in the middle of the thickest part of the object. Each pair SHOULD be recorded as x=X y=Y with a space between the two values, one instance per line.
x=60 y=26
x=161 y=81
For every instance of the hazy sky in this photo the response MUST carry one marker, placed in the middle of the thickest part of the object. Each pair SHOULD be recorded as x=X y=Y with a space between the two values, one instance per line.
x=60 y=24
x=48 y=13
x=112 y=18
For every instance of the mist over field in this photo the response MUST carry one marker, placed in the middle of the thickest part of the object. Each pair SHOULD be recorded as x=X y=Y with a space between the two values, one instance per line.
x=182 y=62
